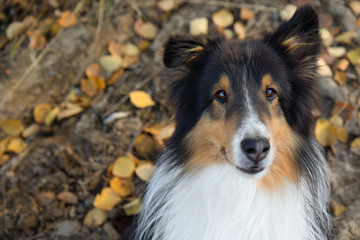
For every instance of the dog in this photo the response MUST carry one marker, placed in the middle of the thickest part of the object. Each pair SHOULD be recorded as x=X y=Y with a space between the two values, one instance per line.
x=243 y=162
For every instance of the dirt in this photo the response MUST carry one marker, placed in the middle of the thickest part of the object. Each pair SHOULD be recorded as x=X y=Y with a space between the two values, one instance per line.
x=74 y=154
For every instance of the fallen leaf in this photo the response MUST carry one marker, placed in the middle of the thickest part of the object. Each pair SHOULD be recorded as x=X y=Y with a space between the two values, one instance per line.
x=107 y=199
x=144 y=171
x=37 y=39
x=342 y=64
x=199 y=26
x=129 y=49
x=166 y=132
x=51 y=116
x=344 y=110
x=4 y=158
x=287 y=12
x=340 y=77
x=342 y=134
x=143 y=45
x=154 y=129
x=141 y=99
x=67 y=19
x=144 y=146
x=4 y=144
x=68 y=197
x=100 y=83
x=167 y=5
x=354 y=56
x=326 y=36
x=121 y=186
x=130 y=60
x=95 y=218
x=16 y=145
x=123 y=167
x=337 y=121
x=337 y=51
x=337 y=208
x=355 y=7
x=89 y=86
x=223 y=18
x=229 y=34
x=323 y=69
x=92 y=70
x=44 y=197
x=346 y=37
x=114 y=48
x=133 y=207
x=12 y=127
x=325 y=132
x=15 y=29
x=110 y=62
x=31 y=130
x=246 y=14
x=69 y=110
x=115 y=76
x=40 y=112
x=146 y=30
x=355 y=144
x=240 y=30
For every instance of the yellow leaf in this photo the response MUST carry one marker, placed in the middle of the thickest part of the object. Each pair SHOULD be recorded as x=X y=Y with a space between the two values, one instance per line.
x=88 y=86
x=121 y=186
x=123 y=167
x=40 y=112
x=354 y=56
x=144 y=171
x=346 y=37
x=133 y=207
x=4 y=144
x=95 y=218
x=145 y=146
x=92 y=70
x=223 y=18
x=337 y=208
x=107 y=199
x=141 y=99
x=199 y=25
x=337 y=121
x=16 y=145
x=100 y=83
x=154 y=129
x=343 y=135
x=146 y=30
x=129 y=49
x=67 y=19
x=51 y=116
x=115 y=76
x=12 y=127
x=325 y=132
x=355 y=144
x=110 y=62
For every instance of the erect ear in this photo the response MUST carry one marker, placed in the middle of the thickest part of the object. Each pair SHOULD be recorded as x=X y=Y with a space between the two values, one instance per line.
x=182 y=49
x=298 y=41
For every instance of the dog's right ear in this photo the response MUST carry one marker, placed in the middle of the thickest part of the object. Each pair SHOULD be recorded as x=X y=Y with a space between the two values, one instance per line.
x=183 y=49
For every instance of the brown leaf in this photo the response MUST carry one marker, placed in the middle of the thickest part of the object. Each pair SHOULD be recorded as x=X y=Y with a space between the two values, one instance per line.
x=337 y=208
x=144 y=171
x=89 y=86
x=143 y=45
x=130 y=60
x=146 y=30
x=133 y=207
x=37 y=39
x=95 y=218
x=344 y=110
x=141 y=99
x=123 y=167
x=223 y=18
x=40 y=112
x=4 y=158
x=92 y=70
x=246 y=14
x=12 y=127
x=199 y=26
x=240 y=30
x=144 y=146
x=68 y=197
x=107 y=199
x=342 y=64
x=121 y=186
x=340 y=77
x=115 y=76
x=114 y=48
x=67 y=19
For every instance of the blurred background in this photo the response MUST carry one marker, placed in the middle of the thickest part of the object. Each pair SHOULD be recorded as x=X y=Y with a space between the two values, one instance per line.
x=83 y=105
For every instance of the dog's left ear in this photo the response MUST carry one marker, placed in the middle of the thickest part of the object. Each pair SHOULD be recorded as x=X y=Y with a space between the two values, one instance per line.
x=298 y=41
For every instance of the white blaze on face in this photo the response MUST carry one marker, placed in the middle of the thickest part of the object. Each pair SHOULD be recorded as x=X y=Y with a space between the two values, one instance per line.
x=251 y=128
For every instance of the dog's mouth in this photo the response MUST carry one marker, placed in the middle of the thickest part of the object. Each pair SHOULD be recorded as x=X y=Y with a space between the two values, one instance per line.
x=251 y=169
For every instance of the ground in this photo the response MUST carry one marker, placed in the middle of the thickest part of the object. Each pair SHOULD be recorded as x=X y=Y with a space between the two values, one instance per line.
x=74 y=154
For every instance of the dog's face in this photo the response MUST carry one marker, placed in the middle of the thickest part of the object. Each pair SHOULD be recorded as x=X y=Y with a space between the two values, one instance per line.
x=246 y=103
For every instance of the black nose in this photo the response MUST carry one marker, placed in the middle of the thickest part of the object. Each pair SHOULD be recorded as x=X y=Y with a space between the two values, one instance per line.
x=255 y=149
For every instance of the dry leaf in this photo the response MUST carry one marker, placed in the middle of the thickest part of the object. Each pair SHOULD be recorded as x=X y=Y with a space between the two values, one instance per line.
x=146 y=30
x=68 y=197
x=44 y=197
x=325 y=132
x=287 y=12
x=323 y=69
x=37 y=39
x=154 y=129
x=107 y=199
x=133 y=207
x=342 y=134
x=40 y=112
x=141 y=99
x=144 y=146
x=67 y=19
x=344 y=110
x=240 y=30
x=12 y=127
x=100 y=83
x=115 y=76
x=123 y=167
x=95 y=218
x=355 y=144
x=121 y=186
x=16 y=145
x=89 y=86
x=355 y=7
x=342 y=64
x=326 y=36
x=129 y=49
x=166 y=132
x=51 y=116
x=114 y=48
x=130 y=60
x=223 y=18
x=337 y=208
x=4 y=144
x=4 y=158
x=144 y=171
x=143 y=45
x=166 y=5
x=354 y=56
x=337 y=121
x=246 y=14
x=110 y=62
x=199 y=26
x=92 y=70
x=340 y=77
x=337 y=51
x=346 y=37
x=69 y=110
x=229 y=34
x=15 y=29
x=30 y=130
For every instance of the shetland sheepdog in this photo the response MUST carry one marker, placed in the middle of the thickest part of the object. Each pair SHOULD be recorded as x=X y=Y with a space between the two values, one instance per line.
x=243 y=162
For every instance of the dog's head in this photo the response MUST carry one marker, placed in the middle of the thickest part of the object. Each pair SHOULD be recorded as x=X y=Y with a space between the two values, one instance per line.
x=246 y=103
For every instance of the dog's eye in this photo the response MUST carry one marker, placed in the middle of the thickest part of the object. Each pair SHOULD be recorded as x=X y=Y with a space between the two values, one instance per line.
x=270 y=93
x=221 y=96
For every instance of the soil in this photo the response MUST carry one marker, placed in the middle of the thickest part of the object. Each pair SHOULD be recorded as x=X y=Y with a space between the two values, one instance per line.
x=74 y=154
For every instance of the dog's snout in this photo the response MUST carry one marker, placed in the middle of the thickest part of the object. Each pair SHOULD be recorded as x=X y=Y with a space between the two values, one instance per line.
x=255 y=149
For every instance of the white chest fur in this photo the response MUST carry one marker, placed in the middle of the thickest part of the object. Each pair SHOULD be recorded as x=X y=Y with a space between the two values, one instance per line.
x=219 y=204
